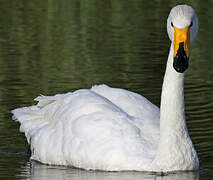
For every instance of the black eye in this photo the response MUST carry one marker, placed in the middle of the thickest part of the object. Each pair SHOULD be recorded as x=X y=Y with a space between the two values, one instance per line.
x=172 y=24
x=191 y=24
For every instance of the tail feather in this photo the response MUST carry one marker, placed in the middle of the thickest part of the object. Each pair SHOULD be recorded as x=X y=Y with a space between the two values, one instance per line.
x=31 y=118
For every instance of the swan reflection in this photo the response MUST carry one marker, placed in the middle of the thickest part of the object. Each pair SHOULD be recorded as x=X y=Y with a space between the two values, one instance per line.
x=44 y=172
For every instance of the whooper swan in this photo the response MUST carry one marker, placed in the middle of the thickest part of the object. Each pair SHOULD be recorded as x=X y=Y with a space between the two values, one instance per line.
x=114 y=129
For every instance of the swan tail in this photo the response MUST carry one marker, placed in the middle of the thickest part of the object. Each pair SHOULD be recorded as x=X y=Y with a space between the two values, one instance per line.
x=32 y=118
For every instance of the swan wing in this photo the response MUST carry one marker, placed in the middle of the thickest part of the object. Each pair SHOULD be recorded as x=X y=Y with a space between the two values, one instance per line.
x=132 y=103
x=87 y=130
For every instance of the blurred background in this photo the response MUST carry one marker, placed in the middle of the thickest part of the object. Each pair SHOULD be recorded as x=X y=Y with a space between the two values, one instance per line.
x=53 y=47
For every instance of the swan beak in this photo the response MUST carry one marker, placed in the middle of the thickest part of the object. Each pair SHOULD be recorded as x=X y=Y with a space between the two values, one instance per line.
x=181 y=49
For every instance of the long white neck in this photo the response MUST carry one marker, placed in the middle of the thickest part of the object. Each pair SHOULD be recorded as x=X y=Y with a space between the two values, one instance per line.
x=175 y=151
x=172 y=114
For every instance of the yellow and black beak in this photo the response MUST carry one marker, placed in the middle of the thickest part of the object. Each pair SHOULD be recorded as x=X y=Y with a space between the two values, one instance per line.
x=181 y=49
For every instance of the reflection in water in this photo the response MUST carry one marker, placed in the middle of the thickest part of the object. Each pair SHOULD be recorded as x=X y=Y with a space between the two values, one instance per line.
x=43 y=172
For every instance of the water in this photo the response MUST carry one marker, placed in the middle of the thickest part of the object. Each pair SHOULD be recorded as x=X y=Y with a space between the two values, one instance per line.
x=49 y=47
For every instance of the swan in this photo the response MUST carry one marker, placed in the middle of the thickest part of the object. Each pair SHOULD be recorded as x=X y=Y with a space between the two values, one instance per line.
x=113 y=129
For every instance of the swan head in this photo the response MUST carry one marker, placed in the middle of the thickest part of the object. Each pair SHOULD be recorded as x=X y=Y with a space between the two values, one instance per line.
x=182 y=27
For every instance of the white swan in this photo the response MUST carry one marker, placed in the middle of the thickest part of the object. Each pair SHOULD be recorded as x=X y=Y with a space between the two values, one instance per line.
x=113 y=129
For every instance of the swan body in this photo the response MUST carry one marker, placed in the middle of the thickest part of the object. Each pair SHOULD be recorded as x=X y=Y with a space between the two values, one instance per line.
x=114 y=129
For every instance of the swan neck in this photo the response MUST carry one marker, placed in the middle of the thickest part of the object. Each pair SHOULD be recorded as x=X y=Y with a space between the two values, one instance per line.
x=175 y=149
x=172 y=113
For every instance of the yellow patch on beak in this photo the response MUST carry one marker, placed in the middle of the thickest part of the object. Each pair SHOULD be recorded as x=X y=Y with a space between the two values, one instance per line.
x=181 y=36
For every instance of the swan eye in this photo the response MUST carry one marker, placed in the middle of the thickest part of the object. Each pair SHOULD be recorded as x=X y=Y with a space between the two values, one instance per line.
x=172 y=24
x=191 y=24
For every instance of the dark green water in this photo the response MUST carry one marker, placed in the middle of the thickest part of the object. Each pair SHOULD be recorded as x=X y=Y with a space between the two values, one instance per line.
x=49 y=47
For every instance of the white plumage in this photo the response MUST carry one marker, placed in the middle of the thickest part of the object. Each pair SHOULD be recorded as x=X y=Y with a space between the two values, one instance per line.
x=113 y=129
